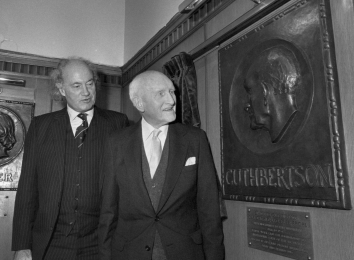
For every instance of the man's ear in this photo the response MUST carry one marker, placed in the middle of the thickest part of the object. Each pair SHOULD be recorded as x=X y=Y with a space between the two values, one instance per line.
x=265 y=89
x=61 y=89
x=138 y=103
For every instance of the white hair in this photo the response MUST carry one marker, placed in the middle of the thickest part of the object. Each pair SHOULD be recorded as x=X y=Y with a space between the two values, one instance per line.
x=143 y=81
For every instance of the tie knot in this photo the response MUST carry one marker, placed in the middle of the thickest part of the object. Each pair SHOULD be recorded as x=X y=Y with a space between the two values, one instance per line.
x=83 y=116
x=155 y=133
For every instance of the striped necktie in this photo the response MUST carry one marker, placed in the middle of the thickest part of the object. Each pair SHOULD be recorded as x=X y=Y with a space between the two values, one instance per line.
x=81 y=130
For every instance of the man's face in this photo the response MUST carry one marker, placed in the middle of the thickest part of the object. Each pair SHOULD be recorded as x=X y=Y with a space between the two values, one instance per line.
x=257 y=108
x=78 y=86
x=159 y=102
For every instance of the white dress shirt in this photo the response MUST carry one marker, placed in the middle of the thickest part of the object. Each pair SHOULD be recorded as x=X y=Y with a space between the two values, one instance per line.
x=147 y=130
x=75 y=121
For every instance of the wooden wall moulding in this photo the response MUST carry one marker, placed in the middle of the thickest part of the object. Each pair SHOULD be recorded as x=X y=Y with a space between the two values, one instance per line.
x=281 y=126
x=184 y=25
x=177 y=30
x=37 y=66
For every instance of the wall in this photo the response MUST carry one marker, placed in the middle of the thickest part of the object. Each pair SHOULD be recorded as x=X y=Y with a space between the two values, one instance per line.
x=332 y=230
x=88 y=28
x=108 y=32
x=143 y=19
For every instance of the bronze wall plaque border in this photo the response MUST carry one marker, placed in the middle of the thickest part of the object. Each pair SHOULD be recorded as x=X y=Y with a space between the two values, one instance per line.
x=10 y=167
x=282 y=232
x=308 y=166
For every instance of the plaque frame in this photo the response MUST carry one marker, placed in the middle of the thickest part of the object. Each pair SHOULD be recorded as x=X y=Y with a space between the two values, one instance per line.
x=308 y=166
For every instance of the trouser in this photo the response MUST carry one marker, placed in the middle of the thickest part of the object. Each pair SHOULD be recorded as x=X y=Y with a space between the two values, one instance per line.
x=72 y=246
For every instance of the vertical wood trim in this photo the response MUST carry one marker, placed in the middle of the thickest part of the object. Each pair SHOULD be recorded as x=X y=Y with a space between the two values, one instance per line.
x=201 y=83
x=212 y=108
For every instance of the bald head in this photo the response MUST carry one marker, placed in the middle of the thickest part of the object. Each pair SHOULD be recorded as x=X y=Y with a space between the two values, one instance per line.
x=57 y=74
x=144 y=81
x=152 y=93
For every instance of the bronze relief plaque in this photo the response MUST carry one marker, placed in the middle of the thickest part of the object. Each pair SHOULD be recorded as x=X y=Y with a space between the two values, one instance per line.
x=281 y=131
x=282 y=232
x=15 y=118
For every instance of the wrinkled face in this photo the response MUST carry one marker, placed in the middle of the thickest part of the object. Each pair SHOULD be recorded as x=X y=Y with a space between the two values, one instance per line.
x=159 y=103
x=78 y=86
x=257 y=107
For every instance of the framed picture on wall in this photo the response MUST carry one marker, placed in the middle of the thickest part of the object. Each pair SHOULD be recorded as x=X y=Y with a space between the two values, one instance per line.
x=281 y=127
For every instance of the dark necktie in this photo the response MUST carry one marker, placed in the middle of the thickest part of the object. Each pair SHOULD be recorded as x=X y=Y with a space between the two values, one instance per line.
x=81 y=130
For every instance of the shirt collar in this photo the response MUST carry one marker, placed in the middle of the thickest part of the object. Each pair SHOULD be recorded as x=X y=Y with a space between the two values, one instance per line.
x=147 y=129
x=73 y=114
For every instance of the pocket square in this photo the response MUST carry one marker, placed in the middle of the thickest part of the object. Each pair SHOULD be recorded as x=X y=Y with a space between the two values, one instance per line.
x=190 y=161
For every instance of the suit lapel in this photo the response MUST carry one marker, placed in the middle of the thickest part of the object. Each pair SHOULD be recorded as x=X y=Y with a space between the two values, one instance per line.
x=59 y=140
x=133 y=161
x=176 y=160
x=100 y=128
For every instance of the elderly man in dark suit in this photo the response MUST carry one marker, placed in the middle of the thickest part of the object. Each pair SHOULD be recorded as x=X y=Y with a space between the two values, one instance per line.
x=160 y=196
x=57 y=203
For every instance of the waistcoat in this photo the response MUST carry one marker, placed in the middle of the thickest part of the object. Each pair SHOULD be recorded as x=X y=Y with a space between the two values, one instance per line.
x=79 y=208
x=154 y=187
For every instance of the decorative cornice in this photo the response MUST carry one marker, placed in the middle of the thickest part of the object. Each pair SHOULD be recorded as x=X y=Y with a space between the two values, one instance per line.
x=183 y=25
x=178 y=29
x=39 y=66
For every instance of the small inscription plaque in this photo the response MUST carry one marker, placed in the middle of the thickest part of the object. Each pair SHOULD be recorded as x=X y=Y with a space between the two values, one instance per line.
x=281 y=232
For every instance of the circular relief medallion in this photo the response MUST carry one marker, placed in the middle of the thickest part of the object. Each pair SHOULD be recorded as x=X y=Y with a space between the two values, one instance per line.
x=12 y=135
x=271 y=96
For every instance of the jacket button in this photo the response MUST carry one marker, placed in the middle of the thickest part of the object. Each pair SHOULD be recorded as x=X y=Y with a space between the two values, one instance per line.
x=147 y=248
x=157 y=219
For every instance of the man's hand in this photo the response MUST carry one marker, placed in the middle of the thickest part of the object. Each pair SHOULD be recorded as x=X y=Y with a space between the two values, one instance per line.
x=23 y=255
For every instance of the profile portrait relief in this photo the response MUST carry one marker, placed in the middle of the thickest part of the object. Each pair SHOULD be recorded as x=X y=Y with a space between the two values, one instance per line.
x=15 y=116
x=12 y=133
x=282 y=139
x=270 y=96
x=271 y=84
x=7 y=135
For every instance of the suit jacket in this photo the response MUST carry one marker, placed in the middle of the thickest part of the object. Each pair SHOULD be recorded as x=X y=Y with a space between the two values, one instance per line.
x=41 y=182
x=188 y=216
